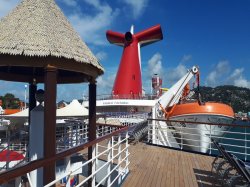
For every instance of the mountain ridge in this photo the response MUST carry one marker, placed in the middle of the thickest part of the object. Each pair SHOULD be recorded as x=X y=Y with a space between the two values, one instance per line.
x=237 y=97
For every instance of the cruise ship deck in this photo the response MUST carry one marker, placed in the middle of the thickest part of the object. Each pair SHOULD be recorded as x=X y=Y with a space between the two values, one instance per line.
x=158 y=166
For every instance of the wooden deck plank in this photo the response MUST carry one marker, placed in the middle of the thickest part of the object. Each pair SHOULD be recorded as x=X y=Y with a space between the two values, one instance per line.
x=170 y=172
x=172 y=161
x=191 y=170
x=158 y=166
x=136 y=164
x=150 y=171
x=156 y=176
x=164 y=174
x=183 y=172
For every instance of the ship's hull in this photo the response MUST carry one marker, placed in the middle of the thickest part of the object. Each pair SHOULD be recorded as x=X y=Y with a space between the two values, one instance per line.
x=197 y=136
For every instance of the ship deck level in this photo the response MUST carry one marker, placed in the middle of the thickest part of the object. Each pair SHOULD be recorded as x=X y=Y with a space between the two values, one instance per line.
x=158 y=166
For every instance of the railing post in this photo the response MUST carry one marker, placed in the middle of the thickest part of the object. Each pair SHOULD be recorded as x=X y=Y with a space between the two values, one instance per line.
x=245 y=143
x=119 y=159
x=210 y=136
x=93 y=164
x=103 y=130
x=149 y=129
x=77 y=130
x=64 y=138
x=181 y=138
x=112 y=148
x=127 y=160
x=109 y=162
x=96 y=151
x=153 y=125
x=86 y=133
x=68 y=163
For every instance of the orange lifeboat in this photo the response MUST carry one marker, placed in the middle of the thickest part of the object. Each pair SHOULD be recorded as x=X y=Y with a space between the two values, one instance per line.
x=196 y=136
x=208 y=108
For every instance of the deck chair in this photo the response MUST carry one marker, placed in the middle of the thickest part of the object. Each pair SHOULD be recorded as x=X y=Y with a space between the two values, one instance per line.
x=221 y=160
x=241 y=174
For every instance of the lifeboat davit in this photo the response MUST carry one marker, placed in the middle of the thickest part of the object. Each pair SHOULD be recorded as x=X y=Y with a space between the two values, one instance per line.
x=196 y=136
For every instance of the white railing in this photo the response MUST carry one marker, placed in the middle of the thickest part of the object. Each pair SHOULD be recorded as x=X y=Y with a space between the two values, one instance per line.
x=197 y=136
x=66 y=137
x=109 y=162
x=70 y=136
x=114 y=152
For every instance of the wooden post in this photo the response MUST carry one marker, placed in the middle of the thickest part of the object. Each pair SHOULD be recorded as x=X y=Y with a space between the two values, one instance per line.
x=49 y=121
x=32 y=99
x=92 y=123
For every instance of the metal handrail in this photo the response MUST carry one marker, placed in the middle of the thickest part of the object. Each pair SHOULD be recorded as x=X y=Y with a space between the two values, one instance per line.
x=197 y=139
x=22 y=170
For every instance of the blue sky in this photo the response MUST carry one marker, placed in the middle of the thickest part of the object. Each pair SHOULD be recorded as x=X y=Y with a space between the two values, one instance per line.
x=213 y=34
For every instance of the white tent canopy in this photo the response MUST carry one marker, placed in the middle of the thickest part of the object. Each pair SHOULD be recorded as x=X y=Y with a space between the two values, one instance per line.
x=73 y=109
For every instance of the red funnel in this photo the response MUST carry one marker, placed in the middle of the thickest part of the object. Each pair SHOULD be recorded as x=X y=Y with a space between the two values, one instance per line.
x=128 y=82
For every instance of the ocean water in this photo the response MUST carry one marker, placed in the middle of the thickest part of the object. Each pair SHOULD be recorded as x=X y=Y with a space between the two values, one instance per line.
x=237 y=141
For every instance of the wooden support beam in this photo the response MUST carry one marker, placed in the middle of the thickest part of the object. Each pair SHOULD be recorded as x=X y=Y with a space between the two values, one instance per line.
x=50 y=121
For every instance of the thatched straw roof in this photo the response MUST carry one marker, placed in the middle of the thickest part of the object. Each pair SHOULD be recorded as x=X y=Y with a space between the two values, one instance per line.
x=36 y=33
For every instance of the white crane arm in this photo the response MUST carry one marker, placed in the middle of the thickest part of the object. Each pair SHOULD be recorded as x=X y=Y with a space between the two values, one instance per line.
x=173 y=95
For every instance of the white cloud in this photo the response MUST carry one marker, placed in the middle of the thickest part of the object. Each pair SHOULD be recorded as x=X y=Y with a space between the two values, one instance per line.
x=220 y=71
x=72 y=3
x=105 y=83
x=186 y=58
x=91 y=27
x=138 y=6
x=222 y=75
x=237 y=78
x=101 y=55
x=169 y=75
x=172 y=75
x=155 y=65
x=6 y=6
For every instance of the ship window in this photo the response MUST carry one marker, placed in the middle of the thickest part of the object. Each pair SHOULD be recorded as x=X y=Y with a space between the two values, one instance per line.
x=133 y=77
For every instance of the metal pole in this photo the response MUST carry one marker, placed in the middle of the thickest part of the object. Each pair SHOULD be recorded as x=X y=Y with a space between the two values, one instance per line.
x=109 y=162
x=119 y=160
x=245 y=144
x=25 y=97
x=210 y=141
x=92 y=123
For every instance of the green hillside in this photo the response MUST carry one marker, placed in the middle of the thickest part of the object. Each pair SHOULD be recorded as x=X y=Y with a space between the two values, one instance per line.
x=237 y=97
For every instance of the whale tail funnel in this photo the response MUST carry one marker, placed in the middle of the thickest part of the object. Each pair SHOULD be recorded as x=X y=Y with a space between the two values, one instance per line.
x=128 y=82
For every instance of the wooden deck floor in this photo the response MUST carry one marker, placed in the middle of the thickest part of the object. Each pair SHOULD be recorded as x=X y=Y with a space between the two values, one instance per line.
x=157 y=166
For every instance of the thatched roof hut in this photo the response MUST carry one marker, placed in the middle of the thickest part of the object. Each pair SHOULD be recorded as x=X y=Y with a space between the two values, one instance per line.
x=38 y=45
x=36 y=33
